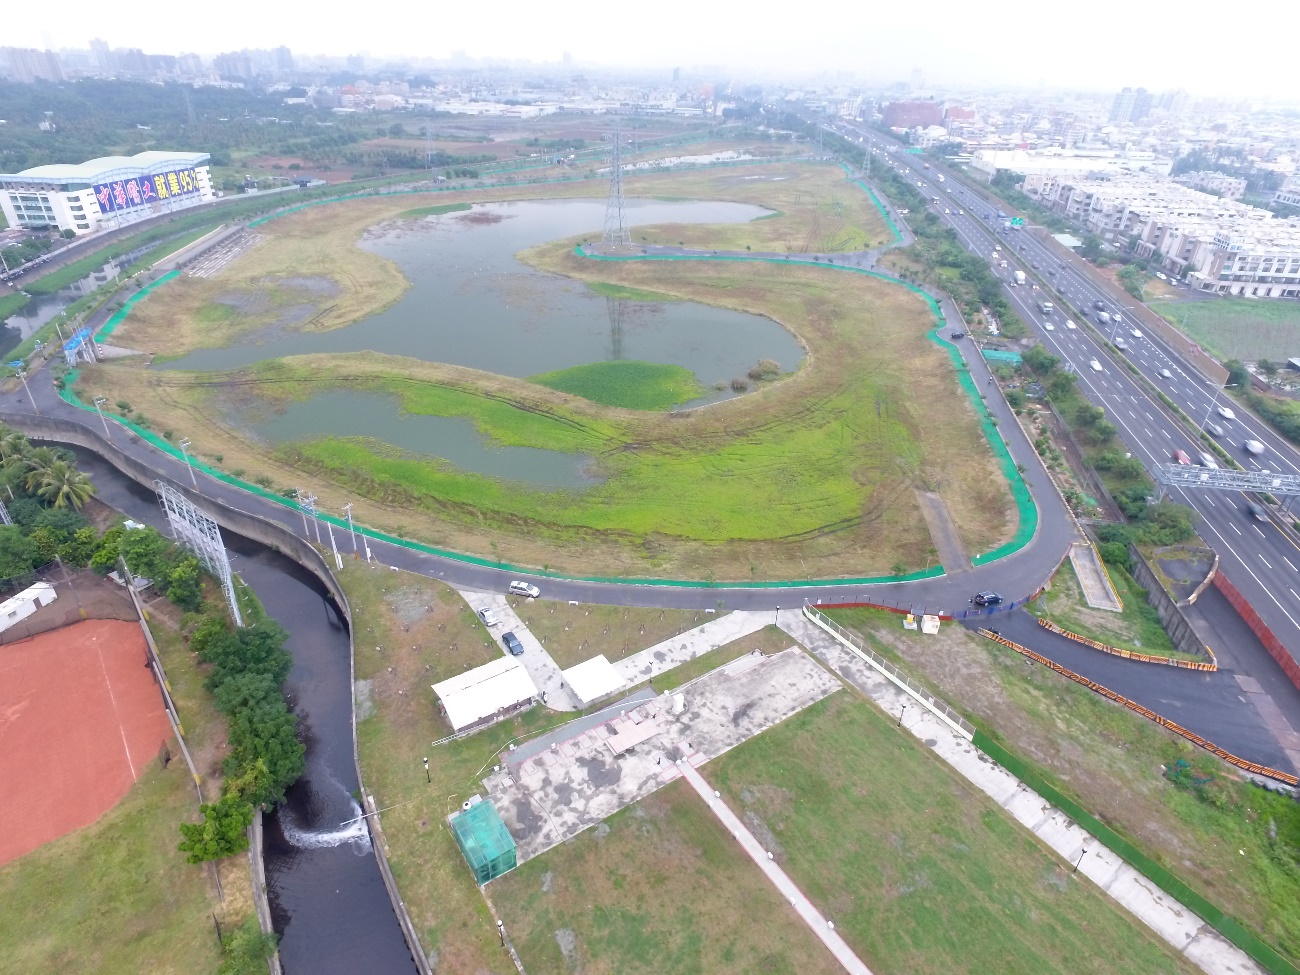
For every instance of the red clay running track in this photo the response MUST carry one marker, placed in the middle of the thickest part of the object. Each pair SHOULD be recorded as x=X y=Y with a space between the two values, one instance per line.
x=80 y=719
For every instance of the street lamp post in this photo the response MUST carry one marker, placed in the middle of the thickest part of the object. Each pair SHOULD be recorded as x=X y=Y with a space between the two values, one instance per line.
x=184 y=444
x=501 y=930
x=1215 y=399
x=348 y=509
x=99 y=402
x=900 y=716
x=1080 y=860
x=22 y=374
x=426 y=770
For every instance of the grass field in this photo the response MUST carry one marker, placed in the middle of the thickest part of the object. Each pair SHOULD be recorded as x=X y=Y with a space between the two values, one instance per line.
x=1110 y=761
x=1238 y=328
x=920 y=872
x=658 y=887
x=1138 y=627
x=629 y=385
x=573 y=634
x=118 y=896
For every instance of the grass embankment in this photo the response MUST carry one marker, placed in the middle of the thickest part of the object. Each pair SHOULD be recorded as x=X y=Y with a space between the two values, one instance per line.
x=1238 y=328
x=118 y=896
x=1138 y=627
x=658 y=887
x=629 y=385
x=12 y=304
x=817 y=210
x=436 y=211
x=572 y=634
x=1109 y=760
x=919 y=871
x=627 y=294
x=812 y=477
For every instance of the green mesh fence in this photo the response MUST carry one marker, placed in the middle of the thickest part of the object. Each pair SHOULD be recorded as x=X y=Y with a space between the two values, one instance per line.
x=486 y=844
x=1232 y=929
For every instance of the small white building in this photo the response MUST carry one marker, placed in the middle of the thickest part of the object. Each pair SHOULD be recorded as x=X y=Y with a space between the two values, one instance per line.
x=20 y=607
x=593 y=679
x=486 y=694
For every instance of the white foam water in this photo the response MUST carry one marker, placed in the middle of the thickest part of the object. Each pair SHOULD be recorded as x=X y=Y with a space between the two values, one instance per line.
x=354 y=832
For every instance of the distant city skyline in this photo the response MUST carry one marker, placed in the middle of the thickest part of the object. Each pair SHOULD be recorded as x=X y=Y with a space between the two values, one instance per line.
x=950 y=44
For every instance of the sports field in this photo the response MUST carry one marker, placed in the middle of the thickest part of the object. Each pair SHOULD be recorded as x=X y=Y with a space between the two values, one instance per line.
x=1249 y=329
x=83 y=719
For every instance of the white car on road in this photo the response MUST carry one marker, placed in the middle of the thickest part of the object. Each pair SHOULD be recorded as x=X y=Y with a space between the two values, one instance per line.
x=1135 y=332
x=1070 y=325
x=1094 y=365
x=1226 y=413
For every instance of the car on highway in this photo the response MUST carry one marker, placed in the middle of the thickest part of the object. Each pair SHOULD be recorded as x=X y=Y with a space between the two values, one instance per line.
x=1214 y=429
x=946 y=210
x=518 y=588
x=961 y=213
x=1227 y=413
x=488 y=617
x=1206 y=460
x=512 y=644
x=1094 y=365
x=1135 y=332
x=1253 y=447
x=1099 y=305
x=956 y=335
x=1256 y=511
x=1049 y=326
x=1070 y=325
x=1120 y=343
x=987 y=599
x=1166 y=374
x=1180 y=457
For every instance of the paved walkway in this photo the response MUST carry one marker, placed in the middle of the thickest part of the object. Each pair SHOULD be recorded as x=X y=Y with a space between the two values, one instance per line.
x=544 y=671
x=653 y=661
x=819 y=925
x=1179 y=926
x=1097 y=588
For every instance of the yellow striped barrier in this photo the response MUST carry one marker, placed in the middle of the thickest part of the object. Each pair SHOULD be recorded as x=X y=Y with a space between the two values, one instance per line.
x=1142 y=658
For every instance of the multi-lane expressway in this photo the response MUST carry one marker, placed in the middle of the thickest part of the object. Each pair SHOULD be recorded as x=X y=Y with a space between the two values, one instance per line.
x=1261 y=558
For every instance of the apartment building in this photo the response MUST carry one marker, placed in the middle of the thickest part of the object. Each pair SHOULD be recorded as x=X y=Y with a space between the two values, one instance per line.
x=1220 y=184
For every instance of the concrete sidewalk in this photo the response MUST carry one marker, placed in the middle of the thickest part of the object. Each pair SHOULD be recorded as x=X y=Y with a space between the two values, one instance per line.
x=687 y=646
x=1173 y=921
x=819 y=925
x=544 y=671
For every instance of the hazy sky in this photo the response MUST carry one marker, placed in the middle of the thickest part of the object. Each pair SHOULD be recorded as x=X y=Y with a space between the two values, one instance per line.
x=1109 y=43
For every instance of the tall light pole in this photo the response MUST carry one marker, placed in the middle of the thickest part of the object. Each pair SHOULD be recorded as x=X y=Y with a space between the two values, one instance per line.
x=99 y=402
x=184 y=444
x=1217 y=390
x=302 y=510
x=22 y=374
x=347 y=508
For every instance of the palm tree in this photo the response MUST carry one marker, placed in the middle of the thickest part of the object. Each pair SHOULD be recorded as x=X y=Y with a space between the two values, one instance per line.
x=13 y=446
x=62 y=484
x=37 y=461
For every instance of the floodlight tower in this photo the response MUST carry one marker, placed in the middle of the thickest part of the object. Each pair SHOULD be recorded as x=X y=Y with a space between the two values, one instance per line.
x=617 y=236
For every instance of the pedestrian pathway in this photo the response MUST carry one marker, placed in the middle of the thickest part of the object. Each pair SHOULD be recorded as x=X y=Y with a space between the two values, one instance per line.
x=1189 y=934
x=820 y=926
x=1098 y=590
x=653 y=661
x=544 y=671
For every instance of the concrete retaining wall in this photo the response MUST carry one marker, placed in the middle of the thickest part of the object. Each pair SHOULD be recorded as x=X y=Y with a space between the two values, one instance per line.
x=1271 y=643
x=1171 y=617
x=273 y=536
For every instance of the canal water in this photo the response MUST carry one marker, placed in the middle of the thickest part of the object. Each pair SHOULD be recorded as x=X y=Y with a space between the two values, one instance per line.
x=328 y=900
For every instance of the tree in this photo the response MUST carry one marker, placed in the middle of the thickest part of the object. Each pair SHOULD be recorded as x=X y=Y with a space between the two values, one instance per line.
x=104 y=559
x=1104 y=432
x=222 y=833
x=78 y=550
x=36 y=462
x=1088 y=415
x=18 y=554
x=185 y=584
x=246 y=949
x=1266 y=367
x=1039 y=359
x=146 y=551
x=61 y=485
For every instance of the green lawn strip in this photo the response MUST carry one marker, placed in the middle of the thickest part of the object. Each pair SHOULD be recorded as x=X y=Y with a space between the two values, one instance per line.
x=1104 y=764
x=1238 y=328
x=658 y=887
x=12 y=304
x=627 y=384
x=436 y=211
x=770 y=639
x=918 y=870
x=626 y=293
x=1137 y=628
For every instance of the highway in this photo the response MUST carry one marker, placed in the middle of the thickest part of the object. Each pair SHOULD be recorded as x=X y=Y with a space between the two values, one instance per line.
x=1261 y=558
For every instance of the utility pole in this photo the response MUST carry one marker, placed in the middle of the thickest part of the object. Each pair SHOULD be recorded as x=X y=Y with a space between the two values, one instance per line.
x=22 y=374
x=347 y=508
x=184 y=444
x=99 y=402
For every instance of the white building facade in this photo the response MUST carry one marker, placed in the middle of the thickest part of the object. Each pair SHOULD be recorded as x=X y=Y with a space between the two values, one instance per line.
x=105 y=193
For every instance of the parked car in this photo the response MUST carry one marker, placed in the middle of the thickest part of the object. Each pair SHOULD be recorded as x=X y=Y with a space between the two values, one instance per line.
x=987 y=599
x=1181 y=457
x=518 y=588
x=488 y=617
x=512 y=644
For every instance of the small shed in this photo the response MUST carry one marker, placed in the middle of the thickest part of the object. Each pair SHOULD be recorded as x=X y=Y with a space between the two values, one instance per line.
x=486 y=694
x=21 y=606
x=484 y=841
x=593 y=679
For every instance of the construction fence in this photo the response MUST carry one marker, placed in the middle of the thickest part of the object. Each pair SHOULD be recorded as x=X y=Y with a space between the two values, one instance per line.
x=80 y=595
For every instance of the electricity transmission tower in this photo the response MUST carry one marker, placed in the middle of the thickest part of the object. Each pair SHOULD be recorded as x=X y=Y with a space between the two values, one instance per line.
x=617 y=236
x=201 y=535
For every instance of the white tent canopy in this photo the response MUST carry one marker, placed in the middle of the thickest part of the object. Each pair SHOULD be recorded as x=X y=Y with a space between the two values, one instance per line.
x=593 y=679
x=484 y=692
